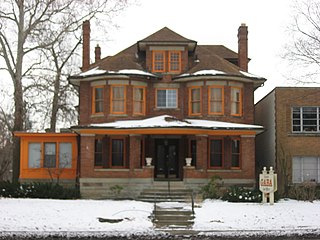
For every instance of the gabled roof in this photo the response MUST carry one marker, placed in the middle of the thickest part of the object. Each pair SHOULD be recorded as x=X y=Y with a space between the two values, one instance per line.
x=166 y=36
x=204 y=60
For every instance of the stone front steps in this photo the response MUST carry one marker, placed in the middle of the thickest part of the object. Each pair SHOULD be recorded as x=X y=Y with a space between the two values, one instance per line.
x=173 y=217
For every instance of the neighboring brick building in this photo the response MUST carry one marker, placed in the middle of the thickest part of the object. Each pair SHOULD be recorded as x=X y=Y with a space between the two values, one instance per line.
x=291 y=141
x=168 y=99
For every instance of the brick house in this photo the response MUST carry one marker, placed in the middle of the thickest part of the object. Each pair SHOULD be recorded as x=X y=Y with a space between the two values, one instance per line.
x=290 y=143
x=167 y=99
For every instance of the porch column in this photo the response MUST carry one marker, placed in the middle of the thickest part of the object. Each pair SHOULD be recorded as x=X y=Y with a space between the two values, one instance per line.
x=248 y=156
x=87 y=155
x=135 y=151
x=202 y=151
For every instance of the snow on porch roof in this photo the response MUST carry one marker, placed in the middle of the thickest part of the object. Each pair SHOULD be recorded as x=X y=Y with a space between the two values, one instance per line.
x=166 y=121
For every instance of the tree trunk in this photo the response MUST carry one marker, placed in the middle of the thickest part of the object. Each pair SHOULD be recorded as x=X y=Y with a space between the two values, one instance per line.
x=55 y=102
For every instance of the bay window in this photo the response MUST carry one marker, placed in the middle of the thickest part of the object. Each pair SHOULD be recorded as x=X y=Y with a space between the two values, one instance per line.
x=118 y=99
x=216 y=103
x=236 y=101
x=195 y=101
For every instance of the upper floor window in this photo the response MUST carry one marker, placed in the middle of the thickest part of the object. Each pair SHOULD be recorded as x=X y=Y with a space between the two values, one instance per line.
x=158 y=58
x=139 y=101
x=216 y=100
x=167 y=98
x=306 y=119
x=195 y=101
x=97 y=99
x=166 y=61
x=236 y=101
x=174 y=61
x=118 y=99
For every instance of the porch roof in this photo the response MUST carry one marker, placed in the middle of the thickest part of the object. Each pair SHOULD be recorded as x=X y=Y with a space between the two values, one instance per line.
x=166 y=124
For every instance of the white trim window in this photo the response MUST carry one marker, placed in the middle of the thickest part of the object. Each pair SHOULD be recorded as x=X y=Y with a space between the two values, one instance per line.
x=306 y=168
x=167 y=98
x=306 y=119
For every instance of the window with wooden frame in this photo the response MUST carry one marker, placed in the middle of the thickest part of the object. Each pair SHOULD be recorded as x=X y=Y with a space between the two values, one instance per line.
x=50 y=155
x=97 y=99
x=118 y=100
x=193 y=151
x=98 y=154
x=215 y=153
x=235 y=155
x=167 y=98
x=236 y=101
x=158 y=61
x=195 y=101
x=216 y=100
x=117 y=152
x=139 y=101
x=174 y=61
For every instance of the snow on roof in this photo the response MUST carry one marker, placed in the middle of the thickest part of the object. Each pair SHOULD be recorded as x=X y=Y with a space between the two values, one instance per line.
x=97 y=71
x=249 y=74
x=203 y=72
x=166 y=121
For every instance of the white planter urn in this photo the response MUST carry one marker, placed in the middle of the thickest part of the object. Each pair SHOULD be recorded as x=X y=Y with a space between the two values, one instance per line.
x=188 y=161
x=148 y=161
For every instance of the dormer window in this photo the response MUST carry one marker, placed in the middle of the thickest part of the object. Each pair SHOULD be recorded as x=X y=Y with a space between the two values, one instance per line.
x=166 y=61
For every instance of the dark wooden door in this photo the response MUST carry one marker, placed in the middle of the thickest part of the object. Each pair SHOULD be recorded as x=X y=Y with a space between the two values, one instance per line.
x=167 y=159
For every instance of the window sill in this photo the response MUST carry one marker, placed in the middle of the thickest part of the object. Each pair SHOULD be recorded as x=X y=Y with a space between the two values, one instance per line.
x=162 y=109
x=97 y=115
x=304 y=134
x=224 y=170
x=118 y=115
x=111 y=170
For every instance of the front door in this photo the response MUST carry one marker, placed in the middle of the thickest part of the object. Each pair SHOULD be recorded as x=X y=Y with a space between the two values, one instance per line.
x=167 y=159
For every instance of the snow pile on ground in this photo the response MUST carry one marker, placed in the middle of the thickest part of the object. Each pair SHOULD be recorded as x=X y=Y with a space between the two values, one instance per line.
x=81 y=217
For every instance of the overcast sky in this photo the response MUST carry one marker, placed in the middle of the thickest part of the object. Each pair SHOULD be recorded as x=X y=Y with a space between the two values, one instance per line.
x=212 y=22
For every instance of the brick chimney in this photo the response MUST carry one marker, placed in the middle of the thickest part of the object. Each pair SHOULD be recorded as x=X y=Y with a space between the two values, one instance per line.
x=85 y=45
x=243 y=47
x=97 y=53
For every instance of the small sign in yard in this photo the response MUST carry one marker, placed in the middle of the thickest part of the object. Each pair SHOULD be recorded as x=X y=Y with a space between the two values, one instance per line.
x=268 y=185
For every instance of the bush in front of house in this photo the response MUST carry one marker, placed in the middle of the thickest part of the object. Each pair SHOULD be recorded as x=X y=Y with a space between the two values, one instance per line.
x=241 y=194
x=37 y=190
x=212 y=190
x=306 y=191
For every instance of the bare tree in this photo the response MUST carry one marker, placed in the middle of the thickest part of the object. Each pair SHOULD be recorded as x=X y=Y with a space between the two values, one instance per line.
x=302 y=50
x=29 y=26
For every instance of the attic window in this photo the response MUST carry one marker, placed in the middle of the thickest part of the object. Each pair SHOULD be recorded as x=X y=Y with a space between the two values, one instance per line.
x=166 y=61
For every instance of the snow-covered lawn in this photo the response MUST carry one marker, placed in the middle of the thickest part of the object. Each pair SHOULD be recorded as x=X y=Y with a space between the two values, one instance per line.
x=80 y=217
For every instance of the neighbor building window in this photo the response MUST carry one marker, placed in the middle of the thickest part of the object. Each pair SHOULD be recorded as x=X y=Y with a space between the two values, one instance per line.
x=236 y=101
x=118 y=99
x=305 y=119
x=158 y=63
x=97 y=100
x=306 y=168
x=167 y=98
x=139 y=102
x=195 y=101
x=235 y=156
x=117 y=152
x=174 y=61
x=216 y=97
x=216 y=153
